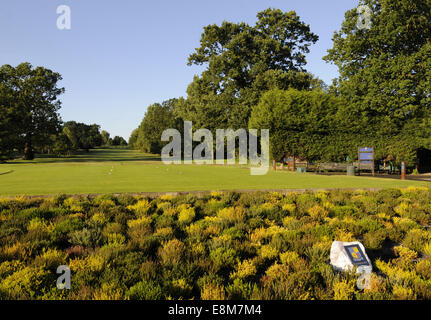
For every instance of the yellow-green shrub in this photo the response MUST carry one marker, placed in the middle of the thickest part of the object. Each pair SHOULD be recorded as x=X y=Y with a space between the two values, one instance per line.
x=268 y=252
x=171 y=252
x=244 y=269
x=213 y=291
x=142 y=207
x=344 y=290
x=186 y=214
x=402 y=293
x=317 y=212
x=231 y=214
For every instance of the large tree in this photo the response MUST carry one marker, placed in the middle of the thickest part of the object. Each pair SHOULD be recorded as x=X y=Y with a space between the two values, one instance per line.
x=385 y=74
x=33 y=94
x=305 y=124
x=158 y=118
x=83 y=136
x=119 y=141
x=106 y=140
x=9 y=119
x=242 y=62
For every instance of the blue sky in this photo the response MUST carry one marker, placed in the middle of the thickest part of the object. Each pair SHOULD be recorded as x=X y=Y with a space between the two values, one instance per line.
x=121 y=56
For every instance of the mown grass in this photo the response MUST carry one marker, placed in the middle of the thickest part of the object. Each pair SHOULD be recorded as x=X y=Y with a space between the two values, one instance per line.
x=122 y=171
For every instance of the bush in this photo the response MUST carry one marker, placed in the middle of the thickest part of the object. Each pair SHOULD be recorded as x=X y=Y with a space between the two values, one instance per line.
x=374 y=240
x=345 y=211
x=223 y=257
x=213 y=291
x=27 y=283
x=145 y=290
x=186 y=215
x=171 y=252
x=86 y=237
x=142 y=207
x=239 y=290
x=68 y=225
x=244 y=269
x=416 y=239
x=231 y=215
x=344 y=290
x=317 y=212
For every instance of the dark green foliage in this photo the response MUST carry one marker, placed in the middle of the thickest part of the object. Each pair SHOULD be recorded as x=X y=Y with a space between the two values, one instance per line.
x=83 y=136
x=158 y=117
x=384 y=74
x=28 y=108
x=305 y=124
x=145 y=290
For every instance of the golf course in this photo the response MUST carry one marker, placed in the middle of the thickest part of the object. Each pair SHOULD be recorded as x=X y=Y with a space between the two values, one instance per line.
x=125 y=171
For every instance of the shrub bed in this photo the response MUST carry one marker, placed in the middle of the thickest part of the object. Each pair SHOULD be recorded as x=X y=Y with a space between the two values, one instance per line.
x=219 y=246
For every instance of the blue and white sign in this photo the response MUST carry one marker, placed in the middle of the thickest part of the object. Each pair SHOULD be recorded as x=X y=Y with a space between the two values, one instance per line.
x=366 y=159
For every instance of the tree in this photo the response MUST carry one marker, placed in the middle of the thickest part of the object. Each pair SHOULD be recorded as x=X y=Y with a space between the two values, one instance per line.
x=158 y=118
x=305 y=124
x=119 y=141
x=105 y=138
x=94 y=138
x=243 y=62
x=133 y=139
x=83 y=136
x=9 y=118
x=32 y=93
x=62 y=145
x=385 y=74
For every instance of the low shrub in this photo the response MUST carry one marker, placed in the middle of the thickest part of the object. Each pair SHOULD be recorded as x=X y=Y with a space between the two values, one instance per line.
x=219 y=246
x=145 y=290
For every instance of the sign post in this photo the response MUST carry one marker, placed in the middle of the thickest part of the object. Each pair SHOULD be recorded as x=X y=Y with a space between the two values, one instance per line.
x=366 y=159
x=291 y=163
x=403 y=170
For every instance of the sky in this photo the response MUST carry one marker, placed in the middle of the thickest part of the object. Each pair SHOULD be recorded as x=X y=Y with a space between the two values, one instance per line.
x=119 y=57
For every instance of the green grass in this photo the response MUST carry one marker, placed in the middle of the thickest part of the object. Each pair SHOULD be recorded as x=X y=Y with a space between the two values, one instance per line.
x=119 y=170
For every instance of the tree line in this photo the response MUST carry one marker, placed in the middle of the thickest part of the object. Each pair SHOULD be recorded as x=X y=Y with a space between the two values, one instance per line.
x=255 y=77
x=29 y=118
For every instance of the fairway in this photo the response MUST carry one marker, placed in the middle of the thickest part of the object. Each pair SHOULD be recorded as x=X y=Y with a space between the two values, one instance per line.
x=124 y=171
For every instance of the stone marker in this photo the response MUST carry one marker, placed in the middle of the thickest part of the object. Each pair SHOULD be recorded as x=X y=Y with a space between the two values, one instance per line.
x=347 y=255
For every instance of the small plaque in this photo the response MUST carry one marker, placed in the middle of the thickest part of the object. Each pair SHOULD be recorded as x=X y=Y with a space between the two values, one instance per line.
x=356 y=255
x=366 y=149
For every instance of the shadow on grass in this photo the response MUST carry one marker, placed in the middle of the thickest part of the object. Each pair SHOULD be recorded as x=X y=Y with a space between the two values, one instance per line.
x=385 y=253
x=94 y=155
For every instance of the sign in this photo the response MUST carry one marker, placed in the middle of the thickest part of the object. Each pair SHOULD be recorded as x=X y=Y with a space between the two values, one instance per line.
x=366 y=159
x=346 y=256
x=356 y=255
x=366 y=156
